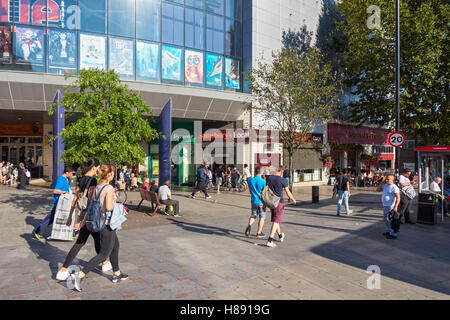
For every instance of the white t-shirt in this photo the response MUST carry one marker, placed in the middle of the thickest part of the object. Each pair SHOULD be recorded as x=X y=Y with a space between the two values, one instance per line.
x=388 y=197
x=434 y=187
x=403 y=179
x=247 y=172
x=164 y=192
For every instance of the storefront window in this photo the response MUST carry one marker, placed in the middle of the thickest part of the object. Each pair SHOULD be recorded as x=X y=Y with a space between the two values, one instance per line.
x=233 y=9
x=232 y=38
x=35 y=140
x=173 y=24
x=148 y=17
x=121 y=16
x=39 y=156
x=194 y=28
x=17 y=140
x=215 y=33
x=93 y=15
x=216 y=6
x=196 y=3
x=65 y=36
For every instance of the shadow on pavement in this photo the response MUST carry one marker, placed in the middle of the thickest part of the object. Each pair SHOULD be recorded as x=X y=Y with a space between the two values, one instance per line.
x=211 y=230
x=420 y=256
x=29 y=203
x=44 y=250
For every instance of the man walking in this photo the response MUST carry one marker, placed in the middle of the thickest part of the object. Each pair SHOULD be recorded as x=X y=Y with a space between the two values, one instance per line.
x=277 y=184
x=405 y=202
x=165 y=197
x=201 y=183
x=61 y=187
x=343 y=185
x=391 y=201
x=220 y=176
x=256 y=186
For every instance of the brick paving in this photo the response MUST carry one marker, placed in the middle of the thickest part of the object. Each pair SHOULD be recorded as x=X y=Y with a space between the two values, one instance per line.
x=205 y=255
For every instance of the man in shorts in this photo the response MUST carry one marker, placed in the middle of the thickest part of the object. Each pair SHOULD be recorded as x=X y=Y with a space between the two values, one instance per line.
x=277 y=184
x=256 y=186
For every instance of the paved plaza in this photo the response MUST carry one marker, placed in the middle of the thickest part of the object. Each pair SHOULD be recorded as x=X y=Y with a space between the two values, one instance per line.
x=205 y=254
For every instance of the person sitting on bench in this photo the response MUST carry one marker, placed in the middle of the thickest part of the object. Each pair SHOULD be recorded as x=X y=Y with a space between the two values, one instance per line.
x=154 y=186
x=165 y=197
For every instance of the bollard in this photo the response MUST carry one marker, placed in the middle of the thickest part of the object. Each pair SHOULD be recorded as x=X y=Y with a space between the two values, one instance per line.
x=315 y=194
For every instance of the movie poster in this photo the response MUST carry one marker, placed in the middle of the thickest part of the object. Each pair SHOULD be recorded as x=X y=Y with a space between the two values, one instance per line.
x=147 y=64
x=171 y=63
x=92 y=52
x=232 y=79
x=62 y=51
x=193 y=67
x=121 y=57
x=29 y=46
x=5 y=45
x=214 y=70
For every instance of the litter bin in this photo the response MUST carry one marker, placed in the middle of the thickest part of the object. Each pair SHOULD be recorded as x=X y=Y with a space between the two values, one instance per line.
x=426 y=212
x=315 y=194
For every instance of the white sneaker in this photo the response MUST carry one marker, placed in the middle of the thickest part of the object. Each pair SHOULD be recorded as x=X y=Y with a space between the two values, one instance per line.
x=192 y=197
x=271 y=244
x=106 y=267
x=282 y=236
x=62 y=275
x=208 y=197
x=350 y=213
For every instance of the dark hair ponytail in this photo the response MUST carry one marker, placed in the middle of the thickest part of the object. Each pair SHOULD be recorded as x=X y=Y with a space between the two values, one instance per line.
x=89 y=164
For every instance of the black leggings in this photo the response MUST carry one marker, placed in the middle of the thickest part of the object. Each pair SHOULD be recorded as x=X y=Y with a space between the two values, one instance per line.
x=109 y=247
x=81 y=241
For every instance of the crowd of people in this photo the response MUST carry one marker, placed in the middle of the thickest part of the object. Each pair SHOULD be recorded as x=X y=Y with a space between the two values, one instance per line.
x=266 y=194
x=97 y=183
x=13 y=175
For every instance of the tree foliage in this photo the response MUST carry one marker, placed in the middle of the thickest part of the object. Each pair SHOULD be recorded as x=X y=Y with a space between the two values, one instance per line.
x=293 y=94
x=112 y=123
x=369 y=61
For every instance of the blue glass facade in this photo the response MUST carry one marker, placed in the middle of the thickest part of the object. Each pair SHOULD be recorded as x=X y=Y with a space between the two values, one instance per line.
x=185 y=42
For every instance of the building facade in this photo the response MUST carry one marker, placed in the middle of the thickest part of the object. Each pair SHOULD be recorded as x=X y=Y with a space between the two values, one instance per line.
x=193 y=51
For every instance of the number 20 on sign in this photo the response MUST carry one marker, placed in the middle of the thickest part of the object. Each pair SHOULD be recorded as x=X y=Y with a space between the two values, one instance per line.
x=396 y=139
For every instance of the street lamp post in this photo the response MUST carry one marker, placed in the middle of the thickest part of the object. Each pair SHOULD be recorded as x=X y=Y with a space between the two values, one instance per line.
x=397 y=76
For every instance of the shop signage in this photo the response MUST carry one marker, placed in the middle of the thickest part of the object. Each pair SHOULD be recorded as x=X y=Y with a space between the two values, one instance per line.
x=346 y=134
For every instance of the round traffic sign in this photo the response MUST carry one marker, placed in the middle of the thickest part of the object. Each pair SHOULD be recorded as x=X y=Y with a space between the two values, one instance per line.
x=396 y=139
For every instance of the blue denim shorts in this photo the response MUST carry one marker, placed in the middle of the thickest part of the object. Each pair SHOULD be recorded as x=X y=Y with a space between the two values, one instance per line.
x=257 y=211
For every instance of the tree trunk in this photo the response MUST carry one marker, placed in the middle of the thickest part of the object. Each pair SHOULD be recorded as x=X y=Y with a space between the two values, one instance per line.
x=291 y=175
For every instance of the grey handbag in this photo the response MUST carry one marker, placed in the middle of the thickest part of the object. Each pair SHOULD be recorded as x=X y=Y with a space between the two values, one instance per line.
x=268 y=198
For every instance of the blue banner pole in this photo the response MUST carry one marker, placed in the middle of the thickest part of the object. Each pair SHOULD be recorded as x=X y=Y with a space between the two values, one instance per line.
x=58 y=144
x=165 y=144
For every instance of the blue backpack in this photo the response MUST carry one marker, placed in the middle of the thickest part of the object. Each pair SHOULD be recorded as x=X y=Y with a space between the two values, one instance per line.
x=96 y=220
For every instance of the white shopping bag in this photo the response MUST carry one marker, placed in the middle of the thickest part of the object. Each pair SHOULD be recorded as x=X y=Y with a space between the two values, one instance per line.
x=59 y=230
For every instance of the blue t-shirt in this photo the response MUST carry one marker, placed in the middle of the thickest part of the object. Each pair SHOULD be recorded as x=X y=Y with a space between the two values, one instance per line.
x=61 y=184
x=256 y=185
x=277 y=184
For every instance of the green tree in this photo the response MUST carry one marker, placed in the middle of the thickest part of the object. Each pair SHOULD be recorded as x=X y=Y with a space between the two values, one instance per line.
x=369 y=61
x=293 y=94
x=112 y=123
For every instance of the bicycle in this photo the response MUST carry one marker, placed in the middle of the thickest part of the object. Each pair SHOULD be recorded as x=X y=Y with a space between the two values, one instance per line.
x=242 y=186
x=121 y=194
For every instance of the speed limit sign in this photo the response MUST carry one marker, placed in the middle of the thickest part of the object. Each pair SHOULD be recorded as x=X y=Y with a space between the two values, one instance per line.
x=396 y=139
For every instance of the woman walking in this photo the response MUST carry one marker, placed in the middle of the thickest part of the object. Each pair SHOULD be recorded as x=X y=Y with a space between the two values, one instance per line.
x=109 y=243
x=88 y=169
